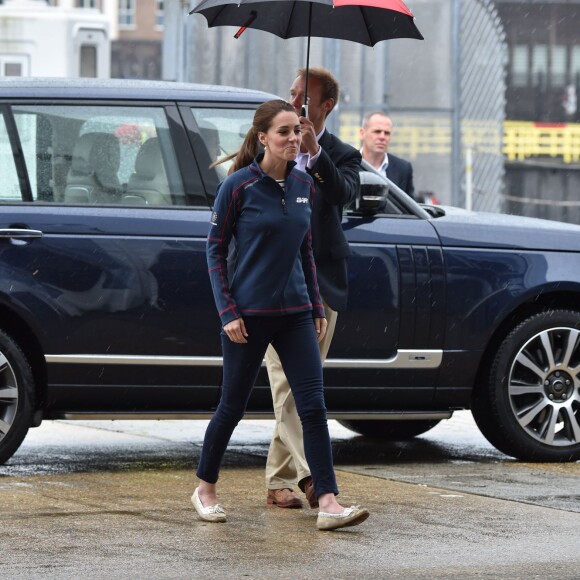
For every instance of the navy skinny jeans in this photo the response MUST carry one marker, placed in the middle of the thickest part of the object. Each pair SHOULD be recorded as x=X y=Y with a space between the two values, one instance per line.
x=294 y=338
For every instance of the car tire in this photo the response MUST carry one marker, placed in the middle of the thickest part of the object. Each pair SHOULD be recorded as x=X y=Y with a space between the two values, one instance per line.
x=389 y=430
x=528 y=405
x=16 y=397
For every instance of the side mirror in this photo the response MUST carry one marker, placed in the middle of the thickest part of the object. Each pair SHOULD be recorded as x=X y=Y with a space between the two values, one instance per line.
x=373 y=193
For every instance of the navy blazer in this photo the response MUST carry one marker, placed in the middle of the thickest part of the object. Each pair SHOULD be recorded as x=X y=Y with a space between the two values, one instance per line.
x=337 y=181
x=400 y=172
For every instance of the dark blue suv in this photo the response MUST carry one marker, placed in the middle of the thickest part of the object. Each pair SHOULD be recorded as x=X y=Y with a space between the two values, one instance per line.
x=106 y=309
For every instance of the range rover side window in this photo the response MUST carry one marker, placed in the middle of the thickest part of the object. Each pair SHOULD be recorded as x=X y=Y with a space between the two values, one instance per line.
x=99 y=155
x=223 y=132
x=9 y=184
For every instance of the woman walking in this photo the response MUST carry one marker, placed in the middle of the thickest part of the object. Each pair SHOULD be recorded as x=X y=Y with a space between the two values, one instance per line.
x=271 y=297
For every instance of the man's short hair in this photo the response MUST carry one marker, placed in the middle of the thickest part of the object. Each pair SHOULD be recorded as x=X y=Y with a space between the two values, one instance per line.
x=367 y=118
x=330 y=86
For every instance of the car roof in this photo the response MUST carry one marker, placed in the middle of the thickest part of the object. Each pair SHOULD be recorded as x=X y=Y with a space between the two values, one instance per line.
x=82 y=88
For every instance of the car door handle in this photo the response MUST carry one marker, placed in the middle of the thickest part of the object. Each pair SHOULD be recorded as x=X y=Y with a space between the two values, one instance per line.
x=20 y=233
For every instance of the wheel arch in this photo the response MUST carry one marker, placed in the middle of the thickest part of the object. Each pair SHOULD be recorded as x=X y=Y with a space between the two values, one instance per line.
x=21 y=332
x=555 y=300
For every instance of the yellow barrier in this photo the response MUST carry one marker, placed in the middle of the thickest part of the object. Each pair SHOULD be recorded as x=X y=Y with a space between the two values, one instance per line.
x=517 y=140
x=524 y=140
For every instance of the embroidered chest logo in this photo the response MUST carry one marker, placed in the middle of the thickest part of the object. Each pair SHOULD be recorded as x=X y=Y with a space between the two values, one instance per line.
x=302 y=200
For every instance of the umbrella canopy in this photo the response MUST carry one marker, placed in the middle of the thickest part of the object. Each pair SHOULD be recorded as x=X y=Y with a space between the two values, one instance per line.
x=363 y=21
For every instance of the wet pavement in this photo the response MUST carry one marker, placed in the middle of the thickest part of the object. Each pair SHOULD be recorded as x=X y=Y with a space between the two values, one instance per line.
x=111 y=500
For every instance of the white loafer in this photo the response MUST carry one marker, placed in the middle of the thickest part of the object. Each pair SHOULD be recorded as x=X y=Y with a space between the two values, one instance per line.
x=352 y=516
x=214 y=513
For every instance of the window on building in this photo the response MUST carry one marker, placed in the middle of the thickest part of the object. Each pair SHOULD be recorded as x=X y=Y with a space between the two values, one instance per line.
x=87 y=4
x=13 y=66
x=575 y=65
x=539 y=64
x=520 y=65
x=127 y=10
x=88 y=68
x=12 y=69
x=559 y=66
x=159 y=14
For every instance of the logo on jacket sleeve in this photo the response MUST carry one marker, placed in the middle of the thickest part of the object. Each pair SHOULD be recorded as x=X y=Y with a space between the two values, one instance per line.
x=214 y=219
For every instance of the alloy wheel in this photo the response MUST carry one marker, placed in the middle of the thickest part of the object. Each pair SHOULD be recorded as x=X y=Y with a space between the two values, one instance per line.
x=8 y=396
x=544 y=386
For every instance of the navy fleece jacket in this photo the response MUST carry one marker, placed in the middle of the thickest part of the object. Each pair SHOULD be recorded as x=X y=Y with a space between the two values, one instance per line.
x=274 y=273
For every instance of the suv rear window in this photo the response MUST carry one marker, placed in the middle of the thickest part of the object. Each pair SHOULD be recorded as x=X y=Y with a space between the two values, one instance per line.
x=99 y=155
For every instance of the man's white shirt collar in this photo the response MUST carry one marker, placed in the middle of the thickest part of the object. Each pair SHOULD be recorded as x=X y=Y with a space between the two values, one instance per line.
x=384 y=164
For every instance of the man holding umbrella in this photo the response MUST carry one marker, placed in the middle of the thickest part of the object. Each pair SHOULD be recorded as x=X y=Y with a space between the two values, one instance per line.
x=335 y=168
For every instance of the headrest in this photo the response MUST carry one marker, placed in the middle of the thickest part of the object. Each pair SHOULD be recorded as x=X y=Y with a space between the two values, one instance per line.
x=81 y=154
x=105 y=159
x=149 y=162
x=97 y=154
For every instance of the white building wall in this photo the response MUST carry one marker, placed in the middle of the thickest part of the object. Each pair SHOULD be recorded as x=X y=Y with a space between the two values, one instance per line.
x=40 y=40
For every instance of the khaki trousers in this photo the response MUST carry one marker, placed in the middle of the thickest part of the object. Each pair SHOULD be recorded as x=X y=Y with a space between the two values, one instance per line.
x=286 y=464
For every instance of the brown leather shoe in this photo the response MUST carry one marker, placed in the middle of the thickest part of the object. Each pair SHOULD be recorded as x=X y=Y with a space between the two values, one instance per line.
x=310 y=493
x=283 y=498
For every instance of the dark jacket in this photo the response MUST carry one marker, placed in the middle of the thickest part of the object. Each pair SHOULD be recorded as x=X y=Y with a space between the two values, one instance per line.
x=400 y=172
x=336 y=179
x=274 y=272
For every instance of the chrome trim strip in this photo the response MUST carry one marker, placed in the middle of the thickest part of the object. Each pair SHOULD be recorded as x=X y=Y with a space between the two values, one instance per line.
x=129 y=359
x=404 y=359
x=189 y=416
x=19 y=233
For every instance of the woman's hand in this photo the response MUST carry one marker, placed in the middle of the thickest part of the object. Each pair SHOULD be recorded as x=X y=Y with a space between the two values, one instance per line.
x=320 y=326
x=236 y=331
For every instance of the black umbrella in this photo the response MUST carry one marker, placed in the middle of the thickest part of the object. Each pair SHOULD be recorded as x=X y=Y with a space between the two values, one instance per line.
x=363 y=21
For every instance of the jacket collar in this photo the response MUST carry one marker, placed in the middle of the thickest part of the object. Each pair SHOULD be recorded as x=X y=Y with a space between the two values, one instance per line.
x=255 y=167
x=325 y=140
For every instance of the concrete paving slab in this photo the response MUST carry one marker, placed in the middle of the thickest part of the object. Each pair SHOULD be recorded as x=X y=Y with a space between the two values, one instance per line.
x=140 y=524
x=111 y=500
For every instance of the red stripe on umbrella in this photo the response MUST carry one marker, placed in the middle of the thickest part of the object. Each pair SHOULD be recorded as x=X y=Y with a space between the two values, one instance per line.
x=396 y=5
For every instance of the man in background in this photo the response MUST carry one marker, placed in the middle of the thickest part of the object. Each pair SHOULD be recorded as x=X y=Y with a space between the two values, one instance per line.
x=375 y=134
